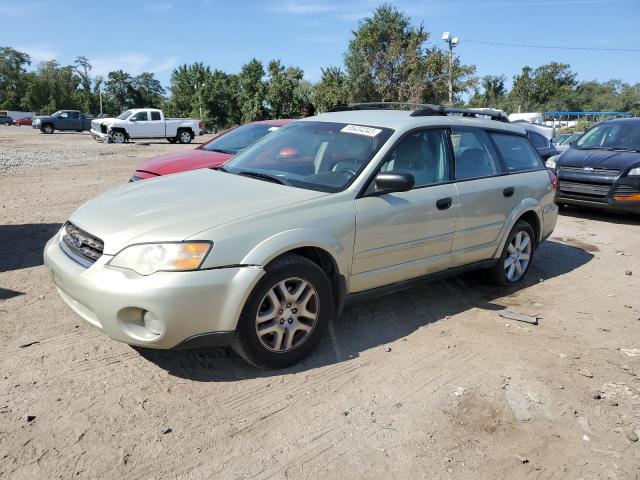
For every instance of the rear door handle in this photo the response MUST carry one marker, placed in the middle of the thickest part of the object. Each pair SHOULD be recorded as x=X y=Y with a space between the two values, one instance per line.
x=444 y=203
x=508 y=192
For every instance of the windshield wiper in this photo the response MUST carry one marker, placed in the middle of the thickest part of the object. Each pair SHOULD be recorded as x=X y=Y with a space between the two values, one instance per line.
x=612 y=149
x=264 y=176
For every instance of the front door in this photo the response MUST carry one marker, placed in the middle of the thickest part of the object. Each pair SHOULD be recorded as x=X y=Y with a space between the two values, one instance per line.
x=405 y=235
x=139 y=125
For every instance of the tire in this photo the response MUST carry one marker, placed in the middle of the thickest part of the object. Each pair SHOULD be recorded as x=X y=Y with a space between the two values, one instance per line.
x=307 y=288
x=79 y=131
x=185 y=136
x=172 y=139
x=512 y=268
x=118 y=137
x=47 y=128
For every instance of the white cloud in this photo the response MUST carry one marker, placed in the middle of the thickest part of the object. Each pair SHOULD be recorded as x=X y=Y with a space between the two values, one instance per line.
x=132 y=63
x=11 y=11
x=39 y=53
x=293 y=7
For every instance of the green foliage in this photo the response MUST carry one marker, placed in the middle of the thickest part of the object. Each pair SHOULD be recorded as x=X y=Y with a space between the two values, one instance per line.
x=580 y=126
x=331 y=90
x=13 y=77
x=283 y=93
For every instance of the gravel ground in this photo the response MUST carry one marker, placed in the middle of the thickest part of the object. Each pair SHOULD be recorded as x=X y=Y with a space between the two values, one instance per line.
x=428 y=383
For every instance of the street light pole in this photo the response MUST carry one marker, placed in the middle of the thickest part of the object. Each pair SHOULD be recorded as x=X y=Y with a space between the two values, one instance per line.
x=451 y=42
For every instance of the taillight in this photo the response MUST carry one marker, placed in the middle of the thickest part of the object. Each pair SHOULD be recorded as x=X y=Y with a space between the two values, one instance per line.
x=553 y=179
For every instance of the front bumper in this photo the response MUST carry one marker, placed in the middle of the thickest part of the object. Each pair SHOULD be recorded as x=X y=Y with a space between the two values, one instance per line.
x=611 y=205
x=192 y=306
x=97 y=135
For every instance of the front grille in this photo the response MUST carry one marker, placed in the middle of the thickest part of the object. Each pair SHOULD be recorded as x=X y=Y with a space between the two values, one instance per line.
x=80 y=245
x=590 y=184
x=103 y=128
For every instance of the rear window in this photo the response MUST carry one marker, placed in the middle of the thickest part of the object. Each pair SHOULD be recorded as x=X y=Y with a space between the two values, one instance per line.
x=155 y=115
x=517 y=152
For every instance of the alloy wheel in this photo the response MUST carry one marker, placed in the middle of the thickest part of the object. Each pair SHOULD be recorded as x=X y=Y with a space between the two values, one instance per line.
x=185 y=137
x=118 y=137
x=518 y=256
x=287 y=314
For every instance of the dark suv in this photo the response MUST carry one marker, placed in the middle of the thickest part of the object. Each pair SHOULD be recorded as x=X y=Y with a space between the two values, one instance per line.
x=6 y=120
x=603 y=167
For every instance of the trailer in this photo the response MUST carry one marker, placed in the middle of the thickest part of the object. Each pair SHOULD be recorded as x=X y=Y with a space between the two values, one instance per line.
x=17 y=115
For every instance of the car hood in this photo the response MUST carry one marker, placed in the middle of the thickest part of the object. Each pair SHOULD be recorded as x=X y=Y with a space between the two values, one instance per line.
x=42 y=117
x=176 y=207
x=103 y=120
x=599 y=159
x=183 y=161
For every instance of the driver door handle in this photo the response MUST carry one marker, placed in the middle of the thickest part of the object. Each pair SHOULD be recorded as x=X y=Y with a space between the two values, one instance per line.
x=508 y=192
x=444 y=203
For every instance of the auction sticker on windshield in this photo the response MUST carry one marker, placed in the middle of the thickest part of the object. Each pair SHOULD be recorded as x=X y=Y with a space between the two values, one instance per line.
x=360 y=130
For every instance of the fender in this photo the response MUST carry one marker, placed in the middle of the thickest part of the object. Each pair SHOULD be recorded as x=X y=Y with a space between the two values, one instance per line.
x=524 y=206
x=282 y=242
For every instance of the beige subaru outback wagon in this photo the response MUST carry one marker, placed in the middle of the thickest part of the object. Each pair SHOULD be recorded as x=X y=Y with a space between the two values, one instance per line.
x=262 y=253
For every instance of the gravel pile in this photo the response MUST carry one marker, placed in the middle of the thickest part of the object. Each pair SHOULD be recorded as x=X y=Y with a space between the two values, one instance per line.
x=14 y=159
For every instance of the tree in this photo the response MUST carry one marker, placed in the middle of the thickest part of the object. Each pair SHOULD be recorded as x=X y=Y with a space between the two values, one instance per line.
x=252 y=91
x=53 y=87
x=331 y=90
x=83 y=69
x=13 y=77
x=119 y=90
x=147 y=90
x=387 y=61
x=493 y=94
x=283 y=90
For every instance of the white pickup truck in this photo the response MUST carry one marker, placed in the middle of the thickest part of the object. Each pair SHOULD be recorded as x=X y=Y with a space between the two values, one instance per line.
x=145 y=123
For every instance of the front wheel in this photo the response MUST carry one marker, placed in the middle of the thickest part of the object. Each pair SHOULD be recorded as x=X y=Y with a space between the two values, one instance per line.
x=517 y=256
x=286 y=314
x=185 y=136
x=48 y=129
x=118 y=137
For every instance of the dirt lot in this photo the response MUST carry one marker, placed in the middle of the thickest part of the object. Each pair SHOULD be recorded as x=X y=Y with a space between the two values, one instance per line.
x=427 y=383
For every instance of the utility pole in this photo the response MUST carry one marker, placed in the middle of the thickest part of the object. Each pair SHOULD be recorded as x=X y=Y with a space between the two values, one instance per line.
x=451 y=42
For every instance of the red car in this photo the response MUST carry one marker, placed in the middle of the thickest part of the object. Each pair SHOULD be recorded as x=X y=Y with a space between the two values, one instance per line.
x=211 y=154
x=23 y=121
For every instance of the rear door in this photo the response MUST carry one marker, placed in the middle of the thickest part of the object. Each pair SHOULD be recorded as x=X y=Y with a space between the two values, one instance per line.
x=405 y=235
x=486 y=195
x=156 y=125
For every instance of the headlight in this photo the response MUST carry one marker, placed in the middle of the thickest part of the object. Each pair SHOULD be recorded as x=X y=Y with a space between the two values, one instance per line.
x=551 y=162
x=634 y=171
x=149 y=258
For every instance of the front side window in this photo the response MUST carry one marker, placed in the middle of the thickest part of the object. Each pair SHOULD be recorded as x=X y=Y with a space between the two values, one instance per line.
x=474 y=157
x=538 y=140
x=612 y=136
x=239 y=138
x=324 y=156
x=140 y=117
x=63 y=115
x=517 y=152
x=423 y=154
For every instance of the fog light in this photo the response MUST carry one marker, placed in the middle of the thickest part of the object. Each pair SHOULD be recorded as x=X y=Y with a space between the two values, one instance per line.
x=153 y=324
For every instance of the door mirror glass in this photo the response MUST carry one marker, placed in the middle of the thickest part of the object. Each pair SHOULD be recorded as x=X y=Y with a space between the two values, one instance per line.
x=394 y=182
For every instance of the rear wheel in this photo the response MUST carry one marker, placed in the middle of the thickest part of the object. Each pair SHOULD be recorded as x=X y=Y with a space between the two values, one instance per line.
x=517 y=256
x=118 y=137
x=286 y=314
x=184 y=136
x=47 y=128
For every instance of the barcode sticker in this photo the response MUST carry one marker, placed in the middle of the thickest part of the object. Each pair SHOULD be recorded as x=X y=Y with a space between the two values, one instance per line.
x=360 y=130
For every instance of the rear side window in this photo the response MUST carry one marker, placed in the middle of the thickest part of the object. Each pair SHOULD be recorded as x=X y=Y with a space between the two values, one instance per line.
x=517 y=152
x=75 y=115
x=155 y=115
x=474 y=155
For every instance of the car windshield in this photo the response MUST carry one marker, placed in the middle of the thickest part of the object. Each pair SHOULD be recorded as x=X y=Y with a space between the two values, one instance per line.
x=322 y=156
x=239 y=138
x=612 y=136
x=571 y=138
x=124 y=115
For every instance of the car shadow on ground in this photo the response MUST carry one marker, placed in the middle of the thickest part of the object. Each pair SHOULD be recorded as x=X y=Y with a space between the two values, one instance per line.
x=376 y=322
x=21 y=246
x=621 y=218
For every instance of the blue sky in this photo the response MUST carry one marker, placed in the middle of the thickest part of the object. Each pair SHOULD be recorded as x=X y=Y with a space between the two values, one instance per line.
x=147 y=35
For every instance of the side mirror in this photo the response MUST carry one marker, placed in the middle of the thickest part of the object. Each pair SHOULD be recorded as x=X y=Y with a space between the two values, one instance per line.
x=573 y=144
x=132 y=119
x=394 y=182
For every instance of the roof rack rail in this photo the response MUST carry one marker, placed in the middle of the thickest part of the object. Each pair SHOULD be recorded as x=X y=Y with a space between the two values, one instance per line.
x=425 y=109
x=492 y=113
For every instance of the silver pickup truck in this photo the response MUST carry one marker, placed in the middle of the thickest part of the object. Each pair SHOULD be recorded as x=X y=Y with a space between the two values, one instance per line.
x=145 y=123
